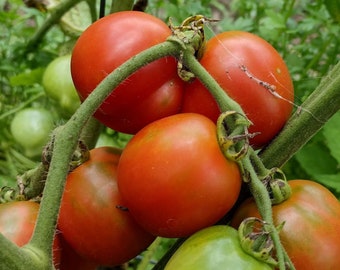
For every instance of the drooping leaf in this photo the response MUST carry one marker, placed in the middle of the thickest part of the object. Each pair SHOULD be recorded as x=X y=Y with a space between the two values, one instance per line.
x=27 y=78
x=315 y=158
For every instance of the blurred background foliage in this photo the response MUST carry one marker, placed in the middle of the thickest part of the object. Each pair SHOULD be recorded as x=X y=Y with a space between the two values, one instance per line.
x=305 y=33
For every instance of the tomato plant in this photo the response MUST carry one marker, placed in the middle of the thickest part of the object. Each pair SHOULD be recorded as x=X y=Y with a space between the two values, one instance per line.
x=31 y=128
x=90 y=218
x=17 y=221
x=216 y=247
x=151 y=93
x=58 y=84
x=311 y=219
x=174 y=178
x=251 y=72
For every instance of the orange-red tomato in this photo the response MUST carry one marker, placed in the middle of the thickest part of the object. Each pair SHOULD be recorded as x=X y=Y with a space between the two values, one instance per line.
x=152 y=92
x=311 y=231
x=174 y=178
x=17 y=221
x=251 y=72
x=90 y=218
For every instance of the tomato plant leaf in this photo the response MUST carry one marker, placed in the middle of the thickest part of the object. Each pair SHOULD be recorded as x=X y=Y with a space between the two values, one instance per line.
x=27 y=78
x=315 y=159
x=331 y=132
x=331 y=181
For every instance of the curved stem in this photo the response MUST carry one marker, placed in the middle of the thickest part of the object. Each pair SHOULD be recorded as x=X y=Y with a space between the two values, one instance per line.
x=66 y=140
x=13 y=258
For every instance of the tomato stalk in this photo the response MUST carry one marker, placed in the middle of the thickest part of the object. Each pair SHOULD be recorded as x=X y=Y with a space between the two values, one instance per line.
x=13 y=258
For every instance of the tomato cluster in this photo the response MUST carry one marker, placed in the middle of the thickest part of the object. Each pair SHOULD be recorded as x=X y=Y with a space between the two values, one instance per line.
x=247 y=67
x=172 y=178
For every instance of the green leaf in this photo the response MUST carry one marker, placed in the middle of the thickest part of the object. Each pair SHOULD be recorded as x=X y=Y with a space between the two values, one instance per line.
x=331 y=131
x=331 y=181
x=333 y=7
x=315 y=158
x=27 y=78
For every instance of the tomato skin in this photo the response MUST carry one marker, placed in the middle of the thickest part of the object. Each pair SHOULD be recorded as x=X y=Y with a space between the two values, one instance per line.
x=173 y=177
x=312 y=225
x=58 y=84
x=89 y=218
x=153 y=92
x=216 y=247
x=70 y=260
x=17 y=221
x=224 y=57
x=31 y=128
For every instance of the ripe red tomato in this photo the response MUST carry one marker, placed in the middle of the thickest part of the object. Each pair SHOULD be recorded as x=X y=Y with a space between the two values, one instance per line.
x=174 y=178
x=17 y=221
x=245 y=66
x=311 y=231
x=70 y=260
x=153 y=92
x=89 y=218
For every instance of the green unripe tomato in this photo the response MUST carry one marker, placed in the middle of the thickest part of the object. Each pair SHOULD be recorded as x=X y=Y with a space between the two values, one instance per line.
x=58 y=84
x=216 y=247
x=31 y=128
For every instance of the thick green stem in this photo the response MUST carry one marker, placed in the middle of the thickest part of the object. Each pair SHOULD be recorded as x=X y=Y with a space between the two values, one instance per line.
x=54 y=18
x=66 y=140
x=13 y=258
x=321 y=105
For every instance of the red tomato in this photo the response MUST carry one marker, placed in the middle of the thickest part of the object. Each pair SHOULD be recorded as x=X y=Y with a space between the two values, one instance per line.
x=90 y=220
x=17 y=221
x=245 y=66
x=311 y=231
x=153 y=92
x=174 y=178
x=70 y=260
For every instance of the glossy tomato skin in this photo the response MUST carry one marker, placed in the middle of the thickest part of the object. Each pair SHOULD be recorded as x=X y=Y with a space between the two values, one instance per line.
x=216 y=247
x=90 y=218
x=240 y=62
x=152 y=92
x=312 y=225
x=17 y=221
x=173 y=177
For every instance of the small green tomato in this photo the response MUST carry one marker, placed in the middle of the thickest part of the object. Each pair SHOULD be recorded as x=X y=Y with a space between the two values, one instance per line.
x=58 y=84
x=31 y=128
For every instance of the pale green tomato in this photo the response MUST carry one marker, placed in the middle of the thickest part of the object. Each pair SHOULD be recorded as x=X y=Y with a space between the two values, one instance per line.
x=214 y=248
x=58 y=84
x=31 y=128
